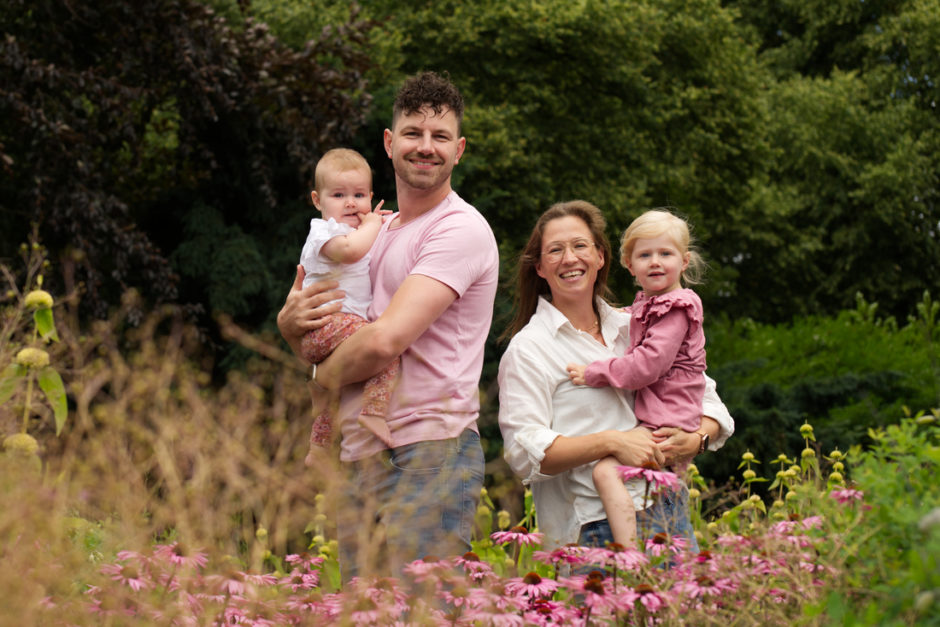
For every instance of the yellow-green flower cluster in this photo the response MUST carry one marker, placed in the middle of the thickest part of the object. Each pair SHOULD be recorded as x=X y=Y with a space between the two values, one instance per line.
x=21 y=443
x=39 y=299
x=34 y=358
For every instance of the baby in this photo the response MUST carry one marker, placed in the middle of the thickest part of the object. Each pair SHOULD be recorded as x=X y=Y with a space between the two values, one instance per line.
x=337 y=248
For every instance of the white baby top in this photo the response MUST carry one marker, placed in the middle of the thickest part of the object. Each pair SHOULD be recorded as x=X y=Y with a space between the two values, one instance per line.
x=353 y=277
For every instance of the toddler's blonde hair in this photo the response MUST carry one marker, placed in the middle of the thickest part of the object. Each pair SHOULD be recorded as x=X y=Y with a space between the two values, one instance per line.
x=656 y=222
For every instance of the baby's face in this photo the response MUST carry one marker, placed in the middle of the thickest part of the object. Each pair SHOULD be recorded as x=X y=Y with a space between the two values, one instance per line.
x=345 y=196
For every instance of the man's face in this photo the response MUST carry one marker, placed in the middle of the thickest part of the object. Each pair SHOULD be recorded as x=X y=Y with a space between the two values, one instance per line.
x=424 y=148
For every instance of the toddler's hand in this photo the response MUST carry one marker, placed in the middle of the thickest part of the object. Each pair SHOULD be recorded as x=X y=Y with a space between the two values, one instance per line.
x=576 y=372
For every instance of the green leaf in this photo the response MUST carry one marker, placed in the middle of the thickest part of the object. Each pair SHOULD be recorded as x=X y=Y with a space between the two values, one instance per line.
x=51 y=383
x=11 y=376
x=45 y=324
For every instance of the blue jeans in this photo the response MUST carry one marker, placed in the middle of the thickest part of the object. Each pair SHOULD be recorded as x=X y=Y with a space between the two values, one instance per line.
x=410 y=502
x=669 y=514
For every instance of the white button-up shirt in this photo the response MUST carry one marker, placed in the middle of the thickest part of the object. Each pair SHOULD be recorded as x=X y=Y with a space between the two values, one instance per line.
x=538 y=402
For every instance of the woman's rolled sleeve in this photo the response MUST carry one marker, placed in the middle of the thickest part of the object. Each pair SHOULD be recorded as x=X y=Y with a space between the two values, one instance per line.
x=525 y=413
x=715 y=409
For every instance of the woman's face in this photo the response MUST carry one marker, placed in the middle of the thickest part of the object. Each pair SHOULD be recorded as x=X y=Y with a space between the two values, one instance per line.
x=569 y=260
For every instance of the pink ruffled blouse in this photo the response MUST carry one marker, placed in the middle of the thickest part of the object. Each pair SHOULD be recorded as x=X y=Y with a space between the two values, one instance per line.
x=664 y=363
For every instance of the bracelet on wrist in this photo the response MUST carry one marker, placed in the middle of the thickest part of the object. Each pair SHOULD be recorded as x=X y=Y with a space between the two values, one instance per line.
x=313 y=379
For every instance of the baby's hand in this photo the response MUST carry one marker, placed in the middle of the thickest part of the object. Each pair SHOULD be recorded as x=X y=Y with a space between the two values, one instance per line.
x=370 y=218
x=382 y=212
x=576 y=372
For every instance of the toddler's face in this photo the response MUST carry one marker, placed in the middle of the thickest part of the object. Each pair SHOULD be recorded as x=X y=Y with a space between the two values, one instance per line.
x=345 y=196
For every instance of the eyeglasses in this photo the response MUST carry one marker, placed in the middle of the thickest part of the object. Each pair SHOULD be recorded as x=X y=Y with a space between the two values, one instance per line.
x=580 y=247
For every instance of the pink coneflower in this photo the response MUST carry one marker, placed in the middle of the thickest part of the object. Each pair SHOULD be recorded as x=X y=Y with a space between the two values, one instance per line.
x=707 y=586
x=229 y=584
x=783 y=527
x=547 y=612
x=647 y=596
x=657 y=478
x=299 y=580
x=532 y=585
x=759 y=565
x=518 y=535
x=733 y=541
x=179 y=555
x=774 y=595
x=457 y=595
x=366 y=612
x=568 y=554
x=426 y=567
x=594 y=588
x=662 y=544
x=847 y=495
x=476 y=569
x=496 y=618
x=495 y=596
x=108 y=606
x=623 y=558
x=128 y=575
x=304 y=560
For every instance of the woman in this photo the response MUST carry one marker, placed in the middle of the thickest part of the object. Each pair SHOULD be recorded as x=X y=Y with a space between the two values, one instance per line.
x=553 y=431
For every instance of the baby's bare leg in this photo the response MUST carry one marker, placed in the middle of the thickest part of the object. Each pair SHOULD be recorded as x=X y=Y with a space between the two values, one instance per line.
x=621 y=514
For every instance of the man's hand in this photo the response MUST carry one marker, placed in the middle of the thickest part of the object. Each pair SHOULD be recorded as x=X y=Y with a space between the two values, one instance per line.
x=576 y=372
x=307 y=308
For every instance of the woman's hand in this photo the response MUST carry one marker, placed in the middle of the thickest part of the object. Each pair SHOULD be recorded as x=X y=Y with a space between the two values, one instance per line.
x=636 y=447
x=307 y=309
x=676 y=445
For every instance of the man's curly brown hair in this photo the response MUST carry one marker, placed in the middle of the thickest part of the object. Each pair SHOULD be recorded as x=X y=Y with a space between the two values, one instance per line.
x=428 y=89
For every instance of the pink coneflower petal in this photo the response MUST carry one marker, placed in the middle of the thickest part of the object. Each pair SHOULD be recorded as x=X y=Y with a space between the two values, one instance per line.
x=658 y=478
x=647 y=596
x=629 y=472
x=305 y=561
x=517 y=535
x=475 y=568
x=706 y=586
x=662 y=544
x=298 y=580
x=568 y=554
x=427 y=567
x=179 y=555
x=624 y=558
x=128 y=575
x=532 y=585
x=847 y=495
x=547 y=612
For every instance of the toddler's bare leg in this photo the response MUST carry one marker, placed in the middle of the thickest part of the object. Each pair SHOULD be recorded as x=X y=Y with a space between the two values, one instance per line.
x=621 y=514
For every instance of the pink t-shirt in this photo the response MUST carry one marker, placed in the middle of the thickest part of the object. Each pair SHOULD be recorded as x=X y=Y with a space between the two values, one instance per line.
x=664 y=363
x=437 y=394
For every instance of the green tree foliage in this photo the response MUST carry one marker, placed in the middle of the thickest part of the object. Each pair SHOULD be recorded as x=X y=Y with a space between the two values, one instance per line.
x=156 y=141
x=628 y=104
x=854 y=131
x=844 y=374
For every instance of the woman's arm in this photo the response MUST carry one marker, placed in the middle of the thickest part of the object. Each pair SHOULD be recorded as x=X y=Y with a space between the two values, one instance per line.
x=630 y=448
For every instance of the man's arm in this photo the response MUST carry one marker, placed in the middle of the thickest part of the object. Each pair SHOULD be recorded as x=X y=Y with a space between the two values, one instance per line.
x=417 y=303
x=307 y=309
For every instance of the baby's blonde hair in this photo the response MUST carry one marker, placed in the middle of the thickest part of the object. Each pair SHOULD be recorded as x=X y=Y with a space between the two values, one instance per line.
x=339 y=160
x=656 y=222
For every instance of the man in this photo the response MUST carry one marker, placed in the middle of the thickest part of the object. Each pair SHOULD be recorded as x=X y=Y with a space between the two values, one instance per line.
x=434 y=273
